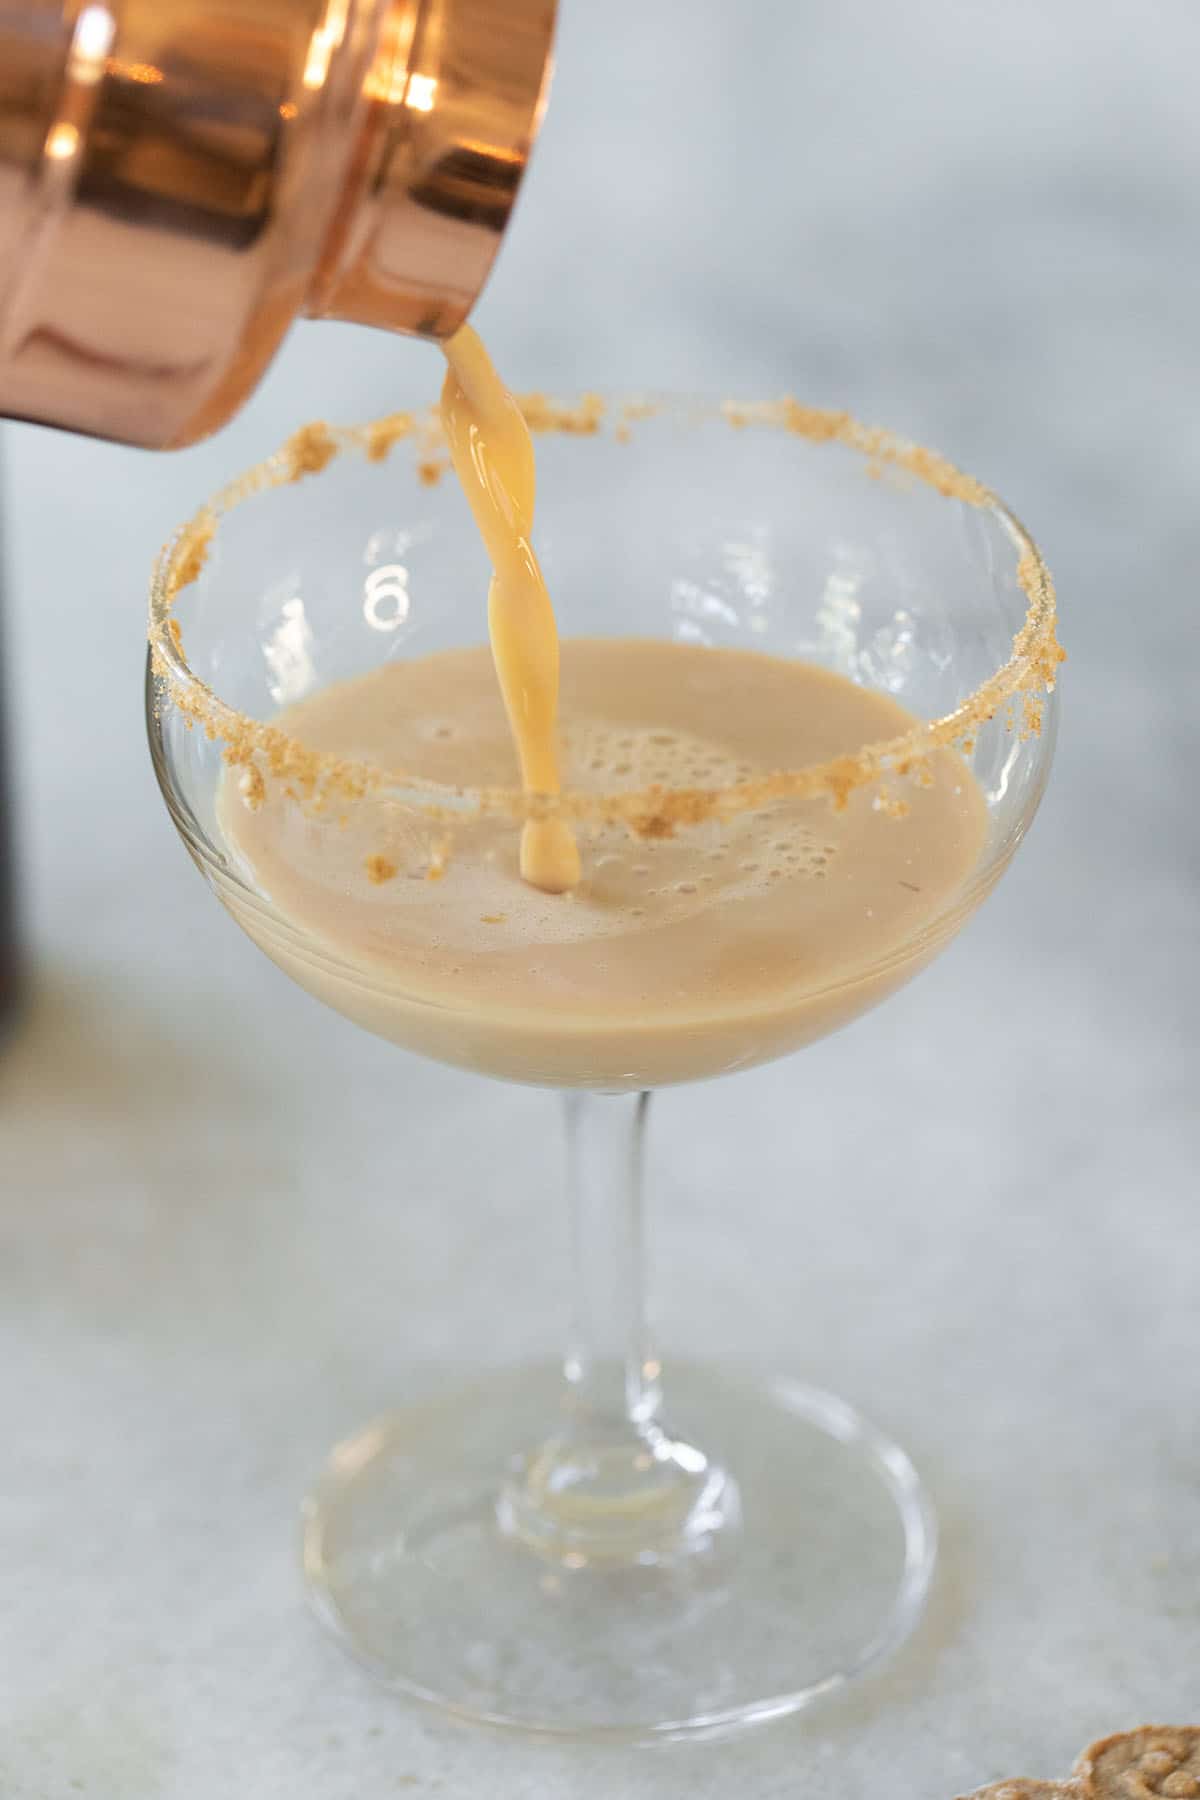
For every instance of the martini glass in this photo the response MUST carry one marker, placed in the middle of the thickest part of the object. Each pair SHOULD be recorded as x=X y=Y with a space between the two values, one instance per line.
x=592 y=1548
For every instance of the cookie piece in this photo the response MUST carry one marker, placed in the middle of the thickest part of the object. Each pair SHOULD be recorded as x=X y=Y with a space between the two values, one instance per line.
x=1157 y=1762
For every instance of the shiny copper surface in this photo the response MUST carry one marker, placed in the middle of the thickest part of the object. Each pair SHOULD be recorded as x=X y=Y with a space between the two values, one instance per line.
x=455 y=96
x=180 y=178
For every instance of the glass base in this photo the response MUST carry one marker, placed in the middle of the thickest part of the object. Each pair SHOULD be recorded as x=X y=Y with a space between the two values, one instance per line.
x=815 y=1566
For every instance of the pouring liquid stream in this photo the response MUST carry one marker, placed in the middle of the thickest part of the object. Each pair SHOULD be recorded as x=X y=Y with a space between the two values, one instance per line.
x=492 y=454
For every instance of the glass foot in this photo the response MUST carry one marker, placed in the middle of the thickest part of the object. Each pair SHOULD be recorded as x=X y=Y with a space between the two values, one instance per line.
x=813 y=1563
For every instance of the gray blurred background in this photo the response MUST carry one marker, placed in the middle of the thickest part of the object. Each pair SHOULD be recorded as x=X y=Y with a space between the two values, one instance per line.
x=231 y=1228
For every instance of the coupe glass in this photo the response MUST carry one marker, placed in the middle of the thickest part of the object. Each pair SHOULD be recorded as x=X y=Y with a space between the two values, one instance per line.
x=590 y=1548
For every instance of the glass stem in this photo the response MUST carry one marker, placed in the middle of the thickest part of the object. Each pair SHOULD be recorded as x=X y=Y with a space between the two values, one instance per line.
x=612 y=1374
x=609 y=1484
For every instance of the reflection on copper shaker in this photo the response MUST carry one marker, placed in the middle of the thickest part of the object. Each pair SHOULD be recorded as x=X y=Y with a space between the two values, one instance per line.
x=180 y=179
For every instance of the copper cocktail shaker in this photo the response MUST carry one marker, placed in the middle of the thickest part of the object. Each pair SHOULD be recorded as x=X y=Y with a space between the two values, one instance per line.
x=179 y=179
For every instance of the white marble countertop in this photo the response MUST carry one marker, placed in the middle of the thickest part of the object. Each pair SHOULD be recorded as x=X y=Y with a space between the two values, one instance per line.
x=231 y=1228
